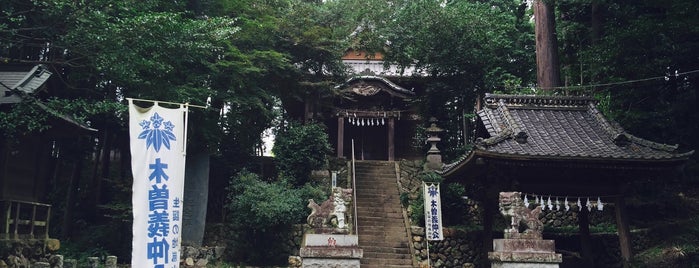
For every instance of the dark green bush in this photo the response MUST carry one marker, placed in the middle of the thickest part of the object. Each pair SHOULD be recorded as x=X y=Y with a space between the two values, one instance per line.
x=299 y=149
x=261 y=215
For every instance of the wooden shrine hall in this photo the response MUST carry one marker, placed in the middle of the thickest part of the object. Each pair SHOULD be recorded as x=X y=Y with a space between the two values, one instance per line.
x=558 y=146
x=372 y=110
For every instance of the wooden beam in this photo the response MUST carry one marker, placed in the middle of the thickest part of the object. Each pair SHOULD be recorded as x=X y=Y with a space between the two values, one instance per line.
x=391 y=136
x=622 y=227
x=585 y=240
x=340 y=136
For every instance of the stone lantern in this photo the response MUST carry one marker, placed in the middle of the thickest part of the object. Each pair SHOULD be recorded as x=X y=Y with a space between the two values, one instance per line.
x=434 y=158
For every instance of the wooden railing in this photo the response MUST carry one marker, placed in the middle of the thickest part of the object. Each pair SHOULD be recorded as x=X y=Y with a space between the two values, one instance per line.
x=23 y=218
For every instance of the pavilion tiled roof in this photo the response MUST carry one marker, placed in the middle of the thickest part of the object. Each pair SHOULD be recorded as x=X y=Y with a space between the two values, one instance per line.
x=21 y=79
x=561 y=128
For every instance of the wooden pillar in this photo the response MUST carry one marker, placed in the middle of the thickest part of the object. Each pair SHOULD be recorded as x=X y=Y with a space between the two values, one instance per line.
x=490 y=208
x=622 y=227
x=391 y=134
x=585 y=240
x=340 y=136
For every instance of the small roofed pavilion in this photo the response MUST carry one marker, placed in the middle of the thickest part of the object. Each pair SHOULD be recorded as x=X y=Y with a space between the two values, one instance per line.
x=558 y=146
x=370 y=110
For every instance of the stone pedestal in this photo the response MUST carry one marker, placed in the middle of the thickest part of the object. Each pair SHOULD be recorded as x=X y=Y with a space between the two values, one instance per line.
x=330 y=250
x=524 y=253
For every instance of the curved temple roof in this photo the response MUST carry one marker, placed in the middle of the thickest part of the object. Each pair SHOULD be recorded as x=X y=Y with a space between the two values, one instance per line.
x=390 y=87
x=526 y=127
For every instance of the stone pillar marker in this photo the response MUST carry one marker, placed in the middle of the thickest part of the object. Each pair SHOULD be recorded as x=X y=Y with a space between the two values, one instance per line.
x=525 y=249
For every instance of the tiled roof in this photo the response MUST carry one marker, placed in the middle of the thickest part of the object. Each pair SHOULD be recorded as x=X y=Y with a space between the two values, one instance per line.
x=25 y=79
x=555 y=127
x=17 y=81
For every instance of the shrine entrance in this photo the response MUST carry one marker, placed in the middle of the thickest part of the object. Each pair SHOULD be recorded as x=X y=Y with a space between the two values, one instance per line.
x=370 y=110
x=370 y=142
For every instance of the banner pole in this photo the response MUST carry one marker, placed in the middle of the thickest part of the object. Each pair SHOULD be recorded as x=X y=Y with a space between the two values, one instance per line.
x=428 y=252
x=166 y=102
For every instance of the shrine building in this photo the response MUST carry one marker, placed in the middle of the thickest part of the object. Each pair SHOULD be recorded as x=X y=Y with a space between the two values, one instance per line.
x=559 y=147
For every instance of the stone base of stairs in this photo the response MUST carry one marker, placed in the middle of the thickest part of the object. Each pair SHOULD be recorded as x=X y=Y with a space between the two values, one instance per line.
x=330 y=251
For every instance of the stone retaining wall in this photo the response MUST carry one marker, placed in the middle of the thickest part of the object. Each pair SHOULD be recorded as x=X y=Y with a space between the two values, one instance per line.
x=462 y=249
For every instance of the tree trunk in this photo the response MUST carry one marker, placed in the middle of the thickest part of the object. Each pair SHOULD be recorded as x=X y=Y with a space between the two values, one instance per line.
x=595 y=22
x=547 y=71
x=73 y=183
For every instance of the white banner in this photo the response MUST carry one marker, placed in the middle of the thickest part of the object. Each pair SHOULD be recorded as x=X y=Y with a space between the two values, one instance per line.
x=157 y=138
x=433 y=212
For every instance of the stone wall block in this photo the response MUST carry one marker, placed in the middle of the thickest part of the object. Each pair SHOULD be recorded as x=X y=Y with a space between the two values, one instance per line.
x=93 y=262
x=56 y=261
x=70 y=263
x=110 y=262
x=40 y=264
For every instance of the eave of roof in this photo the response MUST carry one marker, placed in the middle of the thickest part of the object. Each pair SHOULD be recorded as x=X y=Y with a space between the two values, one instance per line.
x=19 y=82
x=22 y=79
x=564 y=129
x=394 y=88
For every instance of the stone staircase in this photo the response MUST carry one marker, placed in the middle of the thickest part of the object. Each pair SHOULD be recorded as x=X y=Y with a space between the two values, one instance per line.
x=382 y=233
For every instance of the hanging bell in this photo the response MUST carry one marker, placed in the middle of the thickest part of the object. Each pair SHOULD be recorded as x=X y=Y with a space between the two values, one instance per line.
x=600 y=206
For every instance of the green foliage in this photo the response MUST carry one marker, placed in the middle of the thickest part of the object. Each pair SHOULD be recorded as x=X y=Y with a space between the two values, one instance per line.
x=299 y=149
x=417 y=210
x=23 y=118
x=261 y=215
x=430 y=176
x=643 y=41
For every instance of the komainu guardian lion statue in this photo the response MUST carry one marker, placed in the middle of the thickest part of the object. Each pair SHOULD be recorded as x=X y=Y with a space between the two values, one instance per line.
x=331 y=215
x=523 y=218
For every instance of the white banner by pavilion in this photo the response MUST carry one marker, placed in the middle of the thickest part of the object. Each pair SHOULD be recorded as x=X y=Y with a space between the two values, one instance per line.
x=433 y=212
x=157 y=136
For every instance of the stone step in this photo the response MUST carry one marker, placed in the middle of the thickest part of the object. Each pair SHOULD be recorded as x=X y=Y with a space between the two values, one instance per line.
x=365 y=218
x=401 y=248
x=385 y=213
x=379 y=261
x=381 y=226
x=385 y=266
x=381 y=235
x=383 y=255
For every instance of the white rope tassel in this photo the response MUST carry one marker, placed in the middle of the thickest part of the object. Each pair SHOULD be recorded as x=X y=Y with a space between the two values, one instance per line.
x=526 y=201
x=588 y=205
x=543 y=205
x=558 y=205
x=579 y=205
